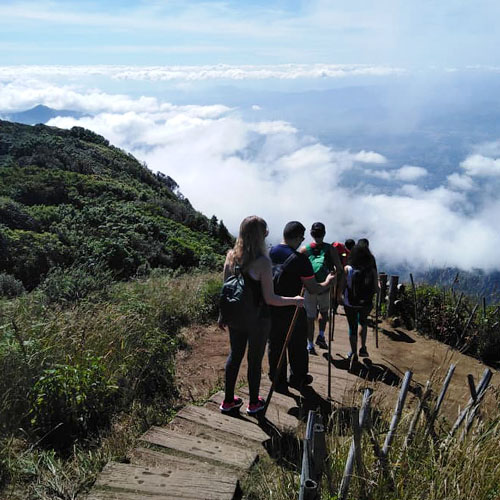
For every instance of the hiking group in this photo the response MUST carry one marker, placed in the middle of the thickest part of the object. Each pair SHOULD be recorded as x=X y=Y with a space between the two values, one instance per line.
x=274 y=298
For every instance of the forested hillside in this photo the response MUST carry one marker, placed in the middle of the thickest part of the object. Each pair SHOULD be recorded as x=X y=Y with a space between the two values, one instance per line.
x=71 y=201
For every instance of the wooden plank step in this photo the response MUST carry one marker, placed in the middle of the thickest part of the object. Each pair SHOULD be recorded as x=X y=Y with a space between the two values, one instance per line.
x=148 y=457
x=121 y=495
x=163 y=483
x=238 y=426
x=224 y=453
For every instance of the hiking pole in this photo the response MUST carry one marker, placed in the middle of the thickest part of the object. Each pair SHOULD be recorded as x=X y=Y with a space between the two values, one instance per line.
x=331 y=330
x=376 y=319
x=282 y=356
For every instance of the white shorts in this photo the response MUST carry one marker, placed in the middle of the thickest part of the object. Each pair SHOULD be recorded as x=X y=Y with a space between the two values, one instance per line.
x=315 y=301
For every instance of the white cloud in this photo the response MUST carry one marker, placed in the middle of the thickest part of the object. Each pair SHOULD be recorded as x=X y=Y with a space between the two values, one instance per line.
x=231 y=168
x=410 y=173
x=458 y=181
x=481 y=166
x=201 y=72
x=370 y=157
x=406 y=173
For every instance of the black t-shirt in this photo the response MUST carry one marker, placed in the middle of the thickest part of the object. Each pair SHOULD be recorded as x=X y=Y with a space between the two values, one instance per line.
x=297 y=268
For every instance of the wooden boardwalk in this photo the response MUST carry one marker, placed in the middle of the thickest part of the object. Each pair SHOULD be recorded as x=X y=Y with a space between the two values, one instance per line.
x=202 y=453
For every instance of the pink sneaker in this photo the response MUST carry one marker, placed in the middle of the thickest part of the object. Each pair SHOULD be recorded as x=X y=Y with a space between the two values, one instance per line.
x=254 y=408
x=233 y=405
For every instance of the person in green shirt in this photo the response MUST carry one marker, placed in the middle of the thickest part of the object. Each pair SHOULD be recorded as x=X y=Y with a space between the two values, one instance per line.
x=324 y=259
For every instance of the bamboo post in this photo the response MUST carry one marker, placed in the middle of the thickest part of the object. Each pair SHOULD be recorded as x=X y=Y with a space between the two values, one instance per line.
x=393 y=291
x=455 y=312
x=363 y=417
x=397 y=415
x=440 y=399
x=472 y=314
x=308 y=487
x=382 y=277
x=480 y=389
x=308 y=476
x=319 y=451
x=413 y=424
x=415 y=316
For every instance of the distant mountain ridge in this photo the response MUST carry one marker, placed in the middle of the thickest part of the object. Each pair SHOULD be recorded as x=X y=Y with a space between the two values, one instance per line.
x=68 y=198
x=40 y=114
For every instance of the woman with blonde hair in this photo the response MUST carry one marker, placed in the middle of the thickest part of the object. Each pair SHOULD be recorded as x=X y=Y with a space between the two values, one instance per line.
x=250 y=255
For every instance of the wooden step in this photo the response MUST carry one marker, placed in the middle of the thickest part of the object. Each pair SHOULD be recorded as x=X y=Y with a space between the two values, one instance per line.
x=148 y=457
x=128 y=479
x=224 y=453
x=237 y=426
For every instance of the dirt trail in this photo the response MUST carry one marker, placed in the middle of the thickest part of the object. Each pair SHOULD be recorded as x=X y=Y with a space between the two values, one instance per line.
x=200 y=367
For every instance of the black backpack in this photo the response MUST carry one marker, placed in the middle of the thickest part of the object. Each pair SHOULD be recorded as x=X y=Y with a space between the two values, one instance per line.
x=278 y=270
x=236 y=301
x=362 y=289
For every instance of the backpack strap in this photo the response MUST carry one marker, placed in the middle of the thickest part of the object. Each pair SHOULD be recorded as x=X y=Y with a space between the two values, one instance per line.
x=289 y=259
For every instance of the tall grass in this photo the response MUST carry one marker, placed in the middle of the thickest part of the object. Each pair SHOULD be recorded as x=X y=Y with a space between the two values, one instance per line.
x=427 y=469
x=80 y=380
x=446 y=316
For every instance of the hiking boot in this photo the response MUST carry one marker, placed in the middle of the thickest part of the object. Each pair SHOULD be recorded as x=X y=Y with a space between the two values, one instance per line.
x=233 y=405
x=321 y=342
x=298 y=384
x=363 y=352
x=254 y=408
x=311 y=350
x=281 y=387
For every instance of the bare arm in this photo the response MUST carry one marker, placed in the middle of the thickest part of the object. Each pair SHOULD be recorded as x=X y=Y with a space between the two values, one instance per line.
x=335 y=259
x=227 y=268
x=264 y=271
x=312 y=286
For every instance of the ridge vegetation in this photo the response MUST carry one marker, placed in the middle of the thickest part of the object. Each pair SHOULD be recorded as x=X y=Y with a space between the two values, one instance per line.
x=69 y=200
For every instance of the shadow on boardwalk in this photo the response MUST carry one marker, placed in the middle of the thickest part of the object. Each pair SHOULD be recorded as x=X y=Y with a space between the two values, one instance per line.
x=367 y=370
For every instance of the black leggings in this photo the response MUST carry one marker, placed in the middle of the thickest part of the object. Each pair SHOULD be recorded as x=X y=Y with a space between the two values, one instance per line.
x=256 y=337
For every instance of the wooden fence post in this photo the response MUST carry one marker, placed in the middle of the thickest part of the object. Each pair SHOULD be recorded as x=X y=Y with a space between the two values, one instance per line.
x=396 y=416
x=480 y=390
x=439 y=402
x=472 y=314
x=313 y=456
x=349 y=466
x=383 y=289
x=413 y=424
x=415 y=315
x=393 y=293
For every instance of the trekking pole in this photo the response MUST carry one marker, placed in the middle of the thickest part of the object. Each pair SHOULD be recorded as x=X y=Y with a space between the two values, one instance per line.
x=282 y=356
x=376 y=319
x=331 y=330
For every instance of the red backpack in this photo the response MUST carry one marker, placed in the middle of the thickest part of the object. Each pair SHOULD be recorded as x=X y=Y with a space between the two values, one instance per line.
x=342 y=251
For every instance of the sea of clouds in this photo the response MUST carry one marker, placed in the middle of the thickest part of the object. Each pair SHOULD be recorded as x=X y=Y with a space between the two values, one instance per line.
x=231 y=166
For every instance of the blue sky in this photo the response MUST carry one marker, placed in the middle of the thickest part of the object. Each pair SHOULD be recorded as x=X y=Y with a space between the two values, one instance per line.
x=164 y=32
x=392 y=107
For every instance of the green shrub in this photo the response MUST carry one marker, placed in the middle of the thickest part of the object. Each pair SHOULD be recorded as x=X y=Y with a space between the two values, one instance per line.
x=10 y=287
x=76 y=283
x=70 y=402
